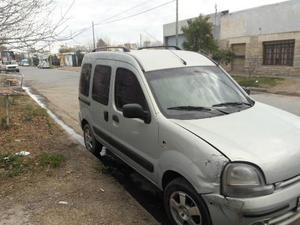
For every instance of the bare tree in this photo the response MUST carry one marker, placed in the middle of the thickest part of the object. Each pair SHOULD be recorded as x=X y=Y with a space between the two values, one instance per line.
x=25 y=23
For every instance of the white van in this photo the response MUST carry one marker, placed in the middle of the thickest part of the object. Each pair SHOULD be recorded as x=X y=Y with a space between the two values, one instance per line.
x=182 y=122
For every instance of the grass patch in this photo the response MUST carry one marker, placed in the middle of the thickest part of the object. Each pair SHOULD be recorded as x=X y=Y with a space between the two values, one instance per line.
x=11 y=165
x=52 y=160
x=259 y=82
x=3 y=123
x=31 y=112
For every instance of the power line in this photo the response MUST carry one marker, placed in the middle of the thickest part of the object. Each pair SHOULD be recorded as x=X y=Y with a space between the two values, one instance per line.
x=108 y=18
x=137 y=14
x=125 y=17
x=126 y=10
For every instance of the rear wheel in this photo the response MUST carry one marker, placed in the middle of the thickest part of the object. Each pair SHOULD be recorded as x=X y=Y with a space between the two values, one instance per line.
x=91 y=144
x=183 y=204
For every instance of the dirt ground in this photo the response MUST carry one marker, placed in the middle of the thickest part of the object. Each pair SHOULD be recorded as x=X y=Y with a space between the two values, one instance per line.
x=75 y=191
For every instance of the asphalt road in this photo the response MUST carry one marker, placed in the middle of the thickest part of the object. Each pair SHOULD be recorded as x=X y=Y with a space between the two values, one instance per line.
x=60 y=90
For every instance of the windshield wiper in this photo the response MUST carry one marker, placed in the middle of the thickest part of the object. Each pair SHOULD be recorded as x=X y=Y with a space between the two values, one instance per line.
x=190 y=108
x=232 y=104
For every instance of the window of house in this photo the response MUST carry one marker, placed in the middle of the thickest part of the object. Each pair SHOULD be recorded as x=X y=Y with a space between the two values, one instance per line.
x=101 y=83
x=84 y=85
x=279 y=52
x=128 y=89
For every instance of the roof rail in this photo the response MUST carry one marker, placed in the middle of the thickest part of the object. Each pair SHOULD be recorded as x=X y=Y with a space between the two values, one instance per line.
x=161 y=47
x=205 y=54
x=111 y=47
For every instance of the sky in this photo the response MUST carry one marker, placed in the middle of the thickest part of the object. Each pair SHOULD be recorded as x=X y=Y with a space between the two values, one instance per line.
x=147 y=25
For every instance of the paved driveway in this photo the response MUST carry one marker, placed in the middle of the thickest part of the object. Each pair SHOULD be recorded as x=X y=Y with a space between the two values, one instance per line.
x=60 y=89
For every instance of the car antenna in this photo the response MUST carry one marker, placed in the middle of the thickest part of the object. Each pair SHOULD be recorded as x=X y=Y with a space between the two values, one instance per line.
x=182 y=60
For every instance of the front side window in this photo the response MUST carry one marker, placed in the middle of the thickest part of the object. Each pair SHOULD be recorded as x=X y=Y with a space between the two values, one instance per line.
x=279 y=52
x=128 y=90
x=84 y=84
x=101 y=83
x=195 y=92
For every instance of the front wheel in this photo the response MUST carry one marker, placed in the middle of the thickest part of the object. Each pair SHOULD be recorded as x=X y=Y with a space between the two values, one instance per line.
x=91 y=144
x=183 y=205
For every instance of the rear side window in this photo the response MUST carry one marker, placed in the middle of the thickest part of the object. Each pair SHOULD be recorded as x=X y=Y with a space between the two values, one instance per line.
x=128 y=89
x=101 y=82
x=84 y=85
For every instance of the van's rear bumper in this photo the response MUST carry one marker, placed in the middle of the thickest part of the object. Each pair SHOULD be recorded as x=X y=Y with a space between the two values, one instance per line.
x=279 y=208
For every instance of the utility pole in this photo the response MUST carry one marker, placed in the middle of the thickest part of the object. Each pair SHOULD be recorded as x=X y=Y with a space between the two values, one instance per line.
x=176 y=23
x=94 y=43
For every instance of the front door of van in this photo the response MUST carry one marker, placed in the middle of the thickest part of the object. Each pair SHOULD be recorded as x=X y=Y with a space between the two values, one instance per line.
x=100 y=98
x=135 y=141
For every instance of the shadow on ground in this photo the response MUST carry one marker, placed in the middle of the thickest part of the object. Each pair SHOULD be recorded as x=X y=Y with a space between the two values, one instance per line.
x=149 y=196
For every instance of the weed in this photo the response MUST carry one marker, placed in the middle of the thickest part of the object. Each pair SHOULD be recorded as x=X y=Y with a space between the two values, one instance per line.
x=262 y=82
x=11 y=100
x=52 y=160
x=32 y=112
x=49 y=124
x=3 y=123
x=10 y=165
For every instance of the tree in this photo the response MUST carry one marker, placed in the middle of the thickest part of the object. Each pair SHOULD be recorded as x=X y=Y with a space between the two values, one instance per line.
x=199 y=38
x=198 y=35
x=25 y=23
x=101 y=43
x=65 y=49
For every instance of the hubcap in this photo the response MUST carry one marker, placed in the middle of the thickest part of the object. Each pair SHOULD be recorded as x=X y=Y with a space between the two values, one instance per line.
x=184 y=209
x=88 y=139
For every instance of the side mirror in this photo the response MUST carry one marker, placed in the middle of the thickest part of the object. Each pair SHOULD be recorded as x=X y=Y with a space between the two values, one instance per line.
x=247 y=90
x=135 y=111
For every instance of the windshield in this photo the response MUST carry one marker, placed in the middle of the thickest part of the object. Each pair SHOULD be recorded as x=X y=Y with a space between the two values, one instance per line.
x=196 y=92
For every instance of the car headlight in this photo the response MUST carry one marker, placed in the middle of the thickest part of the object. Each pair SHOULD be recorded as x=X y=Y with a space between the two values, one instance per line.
x=243 y=180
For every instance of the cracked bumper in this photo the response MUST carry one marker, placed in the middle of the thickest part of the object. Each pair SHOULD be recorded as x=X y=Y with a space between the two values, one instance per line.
x=279 y=208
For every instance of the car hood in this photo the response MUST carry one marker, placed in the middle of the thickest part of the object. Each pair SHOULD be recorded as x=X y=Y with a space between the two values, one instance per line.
x=263 y=135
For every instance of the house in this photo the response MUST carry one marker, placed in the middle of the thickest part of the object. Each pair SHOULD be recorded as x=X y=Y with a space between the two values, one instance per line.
x=69 y=59
x=265 y=39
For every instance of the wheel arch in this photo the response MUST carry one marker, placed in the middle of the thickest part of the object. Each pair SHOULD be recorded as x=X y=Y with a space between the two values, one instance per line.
x=168 y=176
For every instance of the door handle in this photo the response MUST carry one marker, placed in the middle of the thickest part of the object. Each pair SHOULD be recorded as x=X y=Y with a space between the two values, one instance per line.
x=105 y=116
x=115 y=118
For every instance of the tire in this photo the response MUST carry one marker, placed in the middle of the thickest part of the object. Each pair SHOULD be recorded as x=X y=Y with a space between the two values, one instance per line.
x=91 y=144
x=184 y=205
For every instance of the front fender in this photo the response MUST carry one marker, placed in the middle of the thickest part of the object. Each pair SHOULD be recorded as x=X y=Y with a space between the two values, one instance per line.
x=203 y=175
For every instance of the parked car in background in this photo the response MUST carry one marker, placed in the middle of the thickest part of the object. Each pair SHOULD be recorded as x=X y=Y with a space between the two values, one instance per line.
x=44 y=62
x=181 y=121
x=24 y=62
x=8 y=62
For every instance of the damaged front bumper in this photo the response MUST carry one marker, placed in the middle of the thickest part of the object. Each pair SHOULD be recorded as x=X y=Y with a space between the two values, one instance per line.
x=280 y=208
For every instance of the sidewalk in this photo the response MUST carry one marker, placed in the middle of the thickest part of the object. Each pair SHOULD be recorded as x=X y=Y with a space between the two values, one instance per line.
x=289 y=87
x=69 y=68
x=275 y=85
